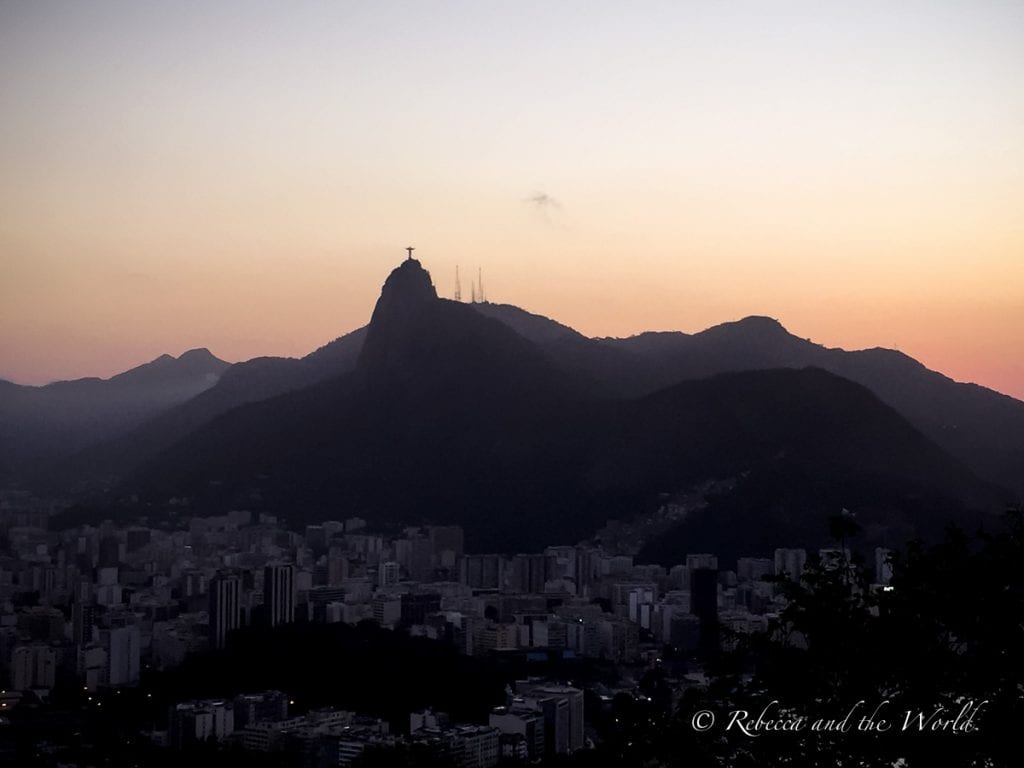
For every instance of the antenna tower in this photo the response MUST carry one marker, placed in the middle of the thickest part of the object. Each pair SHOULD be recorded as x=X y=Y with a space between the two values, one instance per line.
x=458 y=286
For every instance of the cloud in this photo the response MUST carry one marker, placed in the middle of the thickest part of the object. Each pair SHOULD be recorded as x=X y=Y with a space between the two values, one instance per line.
x=544 y=202
x=547 y=209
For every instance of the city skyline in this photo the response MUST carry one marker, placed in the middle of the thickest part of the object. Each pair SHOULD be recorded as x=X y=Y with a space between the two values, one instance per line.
x=242 y=178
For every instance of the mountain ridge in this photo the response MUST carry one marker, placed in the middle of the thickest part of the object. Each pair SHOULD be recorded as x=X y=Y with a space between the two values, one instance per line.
x=453 y=416
x=955 y=415
x=198 y=357
x=39 y=424
x=978 y=425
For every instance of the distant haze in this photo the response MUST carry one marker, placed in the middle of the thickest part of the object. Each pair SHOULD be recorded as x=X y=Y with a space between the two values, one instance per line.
x=242 y=176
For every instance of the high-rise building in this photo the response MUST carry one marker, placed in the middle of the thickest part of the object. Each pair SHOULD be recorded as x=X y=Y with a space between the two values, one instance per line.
x=475 y=746
x=194 y=583
x=753 y=568
x=225 y=607
x=693 y=562
x=562 y=710
x=279 y=593
x=123 y=647
x=704 y=593
x=704 y=605
x=561 y=562
x=83 y=619
x=413 y=553
x=266 y=707
x=528 y=573
x=388 y=574
x=482 y=571
x=92 y=665
x=195 y=722
x=522 y=720
x=33 y=666
x=641 y=600
x=790 y=562
x=883 y=565
x=109 y=552
x=448 y=545
x=337 y=565
x=416 y=607
x=588 y=568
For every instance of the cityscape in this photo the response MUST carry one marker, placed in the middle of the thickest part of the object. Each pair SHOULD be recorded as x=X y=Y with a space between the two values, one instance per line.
x=511 y=385
x=97 y=607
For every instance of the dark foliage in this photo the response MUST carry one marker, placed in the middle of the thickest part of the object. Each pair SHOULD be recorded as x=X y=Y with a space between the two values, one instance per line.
x=364 y=668
x=945 y=638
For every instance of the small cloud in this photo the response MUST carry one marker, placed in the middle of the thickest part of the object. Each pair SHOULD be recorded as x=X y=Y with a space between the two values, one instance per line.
x=546 y=208
x=542 y=201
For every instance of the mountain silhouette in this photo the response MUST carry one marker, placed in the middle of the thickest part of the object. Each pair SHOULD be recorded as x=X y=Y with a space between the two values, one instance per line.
x=448 y=415
x=526 y=431
x=982 y=428
x=451 y=415
x=248 y=382
x=39 y=424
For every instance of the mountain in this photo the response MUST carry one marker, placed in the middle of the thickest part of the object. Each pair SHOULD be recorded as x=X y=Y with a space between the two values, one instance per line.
x=982 y=428
x=447 y=415
x=603 y=369
x=451 y=415
x=39 y=424
x=803 y=444
x=247 y=382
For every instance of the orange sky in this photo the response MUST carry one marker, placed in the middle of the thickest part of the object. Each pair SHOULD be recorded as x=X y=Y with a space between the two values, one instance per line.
x=244 y=177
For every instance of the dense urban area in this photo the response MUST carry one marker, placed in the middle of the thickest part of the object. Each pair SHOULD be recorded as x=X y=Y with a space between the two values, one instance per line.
x=210 y=626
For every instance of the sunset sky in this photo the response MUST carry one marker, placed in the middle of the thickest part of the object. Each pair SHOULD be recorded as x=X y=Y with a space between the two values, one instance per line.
x=243 y=175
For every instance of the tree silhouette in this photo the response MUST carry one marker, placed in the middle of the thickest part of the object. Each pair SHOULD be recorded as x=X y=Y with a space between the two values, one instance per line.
x=943 y=638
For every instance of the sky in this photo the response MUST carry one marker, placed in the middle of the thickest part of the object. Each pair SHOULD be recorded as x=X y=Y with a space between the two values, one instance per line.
x=242 y=176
